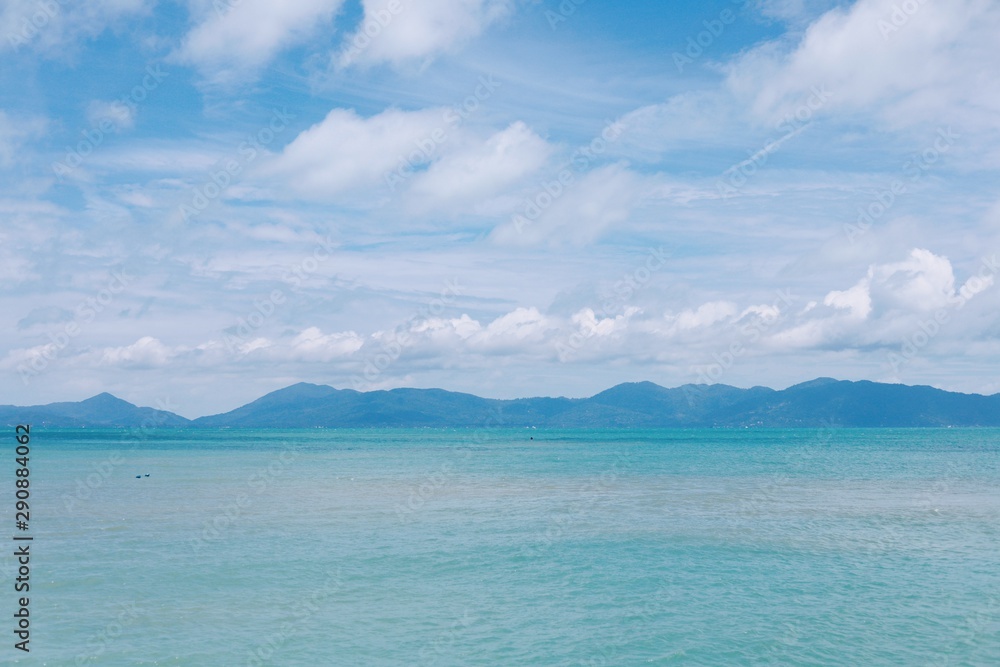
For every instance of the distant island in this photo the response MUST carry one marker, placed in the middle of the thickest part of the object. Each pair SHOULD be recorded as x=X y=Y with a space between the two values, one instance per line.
x=820 y=402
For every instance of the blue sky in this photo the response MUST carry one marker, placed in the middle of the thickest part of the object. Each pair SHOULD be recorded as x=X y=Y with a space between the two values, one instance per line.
x=205 y=201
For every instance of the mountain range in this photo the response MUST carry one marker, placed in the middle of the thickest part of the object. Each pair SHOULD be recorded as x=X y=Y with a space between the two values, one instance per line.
x=823 y=401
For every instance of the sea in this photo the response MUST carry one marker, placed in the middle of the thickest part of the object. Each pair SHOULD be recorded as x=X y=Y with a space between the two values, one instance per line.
x=501 y=546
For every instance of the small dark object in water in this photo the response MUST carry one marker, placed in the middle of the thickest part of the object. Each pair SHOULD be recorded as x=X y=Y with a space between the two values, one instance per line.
x=147 y=474
x=532 y=438
x=138 y=476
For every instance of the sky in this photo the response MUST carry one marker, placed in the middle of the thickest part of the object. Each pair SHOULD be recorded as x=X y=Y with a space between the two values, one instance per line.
x=205 y=201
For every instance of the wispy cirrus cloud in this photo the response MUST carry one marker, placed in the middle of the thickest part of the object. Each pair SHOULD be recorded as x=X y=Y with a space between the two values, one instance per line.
x=15 y=132
x=57 y=28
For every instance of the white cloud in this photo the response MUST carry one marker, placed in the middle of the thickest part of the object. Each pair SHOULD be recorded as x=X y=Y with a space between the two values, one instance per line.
x=55 y=27
x=882 y=307
x=26 y=225
x=890 y=300
x=243 y=348
x=313 y=345
x=24 y=357
x=345 y=151
x=922 y=282
x=521 y=324
x=481 y=169
x=234 y=39
x=579 y=213
x=857 y=300
x=395 y=31
x=705 y=315
x=15 y=133
x=520 y=331
x=440 y=329
x=936 y=64
x=147 y=352
x=590 y=325
x=307 y=346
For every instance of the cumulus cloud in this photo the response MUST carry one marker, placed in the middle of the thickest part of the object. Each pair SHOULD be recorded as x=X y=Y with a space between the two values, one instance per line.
x=932 y=62
x=235 y=39
x=415 y=157
x=706 y=314
x=588 y=322
x=520 y=330
x=395 y=31
x=889 y=300
x=313 y=345
x=856 y=300
x=147 y=352
x=922 y=282
x=346 y=151
x=25 y=356
x=309 y=345
x=518 y=325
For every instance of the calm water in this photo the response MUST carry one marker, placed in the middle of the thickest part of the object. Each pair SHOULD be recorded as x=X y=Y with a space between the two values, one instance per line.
x=466 y=547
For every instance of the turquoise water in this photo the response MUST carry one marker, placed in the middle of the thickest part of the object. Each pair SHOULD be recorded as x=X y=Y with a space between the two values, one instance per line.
x=483 y=547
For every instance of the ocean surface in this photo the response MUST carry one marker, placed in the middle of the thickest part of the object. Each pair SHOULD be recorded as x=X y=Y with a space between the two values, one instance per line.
x=509 y=547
